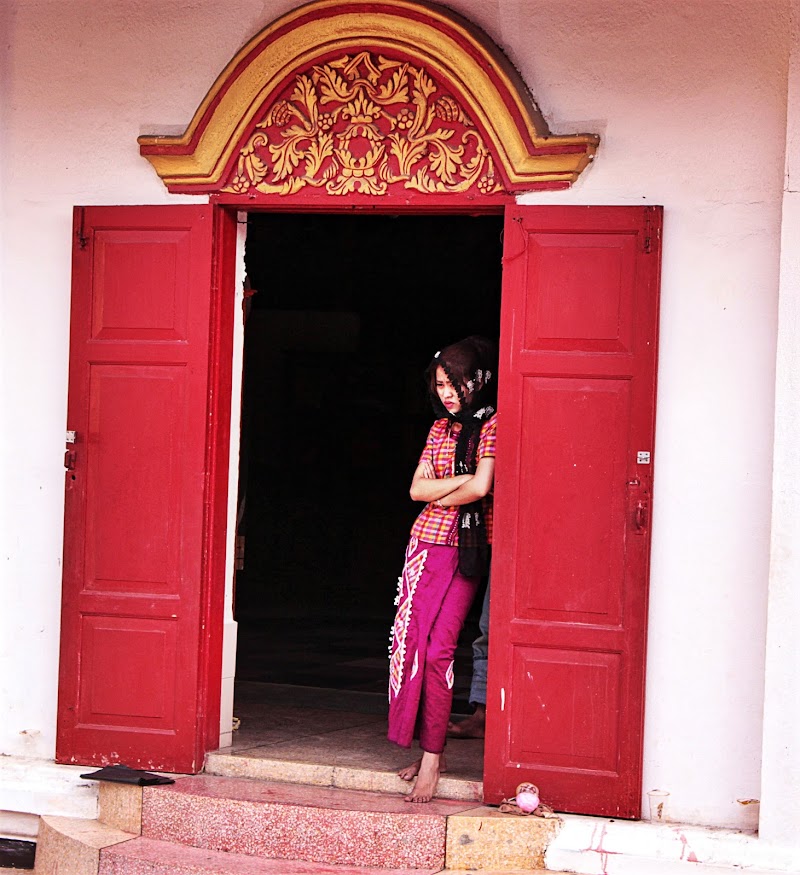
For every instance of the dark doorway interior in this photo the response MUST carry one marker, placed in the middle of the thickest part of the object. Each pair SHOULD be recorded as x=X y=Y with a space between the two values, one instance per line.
x=347 y=312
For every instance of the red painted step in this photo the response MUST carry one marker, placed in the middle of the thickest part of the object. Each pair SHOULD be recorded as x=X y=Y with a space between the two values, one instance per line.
x=297 y=822
x=144 y=856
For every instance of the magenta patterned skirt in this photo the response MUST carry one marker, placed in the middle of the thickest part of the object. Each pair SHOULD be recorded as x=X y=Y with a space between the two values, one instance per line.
x=432 y=603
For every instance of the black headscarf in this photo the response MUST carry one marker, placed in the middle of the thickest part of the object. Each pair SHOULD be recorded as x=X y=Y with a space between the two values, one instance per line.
x=471 y=367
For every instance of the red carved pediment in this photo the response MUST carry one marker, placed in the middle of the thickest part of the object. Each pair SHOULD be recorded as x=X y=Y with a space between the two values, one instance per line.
x=367 y=100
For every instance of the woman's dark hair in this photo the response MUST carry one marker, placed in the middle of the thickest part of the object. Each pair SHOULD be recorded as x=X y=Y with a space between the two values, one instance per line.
x=471 y=367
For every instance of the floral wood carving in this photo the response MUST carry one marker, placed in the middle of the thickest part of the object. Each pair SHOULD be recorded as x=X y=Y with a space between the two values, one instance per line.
x=361 y=124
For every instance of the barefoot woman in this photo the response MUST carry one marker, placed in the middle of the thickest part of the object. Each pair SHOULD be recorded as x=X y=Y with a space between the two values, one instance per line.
x=447 y=554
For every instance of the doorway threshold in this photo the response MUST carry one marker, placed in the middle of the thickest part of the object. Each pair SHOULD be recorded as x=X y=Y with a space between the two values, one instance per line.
x=331 y=738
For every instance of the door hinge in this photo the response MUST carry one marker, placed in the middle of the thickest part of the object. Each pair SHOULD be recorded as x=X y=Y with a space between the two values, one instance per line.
x=83 y=240
x=647 y=237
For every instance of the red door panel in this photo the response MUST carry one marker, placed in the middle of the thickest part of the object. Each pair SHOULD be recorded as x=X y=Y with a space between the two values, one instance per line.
x=570 y=566
x=133 y=659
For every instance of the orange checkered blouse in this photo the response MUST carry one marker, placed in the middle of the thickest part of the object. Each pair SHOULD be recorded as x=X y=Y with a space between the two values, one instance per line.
x=439 y=525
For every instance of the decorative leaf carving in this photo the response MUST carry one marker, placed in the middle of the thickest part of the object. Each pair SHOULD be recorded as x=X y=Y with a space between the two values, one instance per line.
x=385 y=123
x=396 y=89
x=317 y=152
x=406 y=152
x=305 y=94
x=332 y=86
x=364 y=61
x=445 y=160
x=285 y=157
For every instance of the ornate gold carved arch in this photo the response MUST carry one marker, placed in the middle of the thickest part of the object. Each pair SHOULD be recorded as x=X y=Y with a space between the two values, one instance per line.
x=368 y=99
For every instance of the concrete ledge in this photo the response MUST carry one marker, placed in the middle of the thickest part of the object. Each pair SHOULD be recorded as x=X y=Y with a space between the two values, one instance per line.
x=35 y=786
x=503 y=871
x=73 y=845
x=600 y=846
x=18 y=825
x=343 y=777
x=121 y=806
x=485 y=839
x=269 y=770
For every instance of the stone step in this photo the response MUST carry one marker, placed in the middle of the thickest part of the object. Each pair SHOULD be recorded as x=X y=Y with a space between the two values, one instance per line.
x=477 y=838
x=73 y=845
x=143 y=856
x=296 y=822
x=257 y=764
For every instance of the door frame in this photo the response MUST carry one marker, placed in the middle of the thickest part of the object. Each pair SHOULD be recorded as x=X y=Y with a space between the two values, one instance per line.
x=477 y=139
x=217 y=569
x=218 y=436
x=223 y=416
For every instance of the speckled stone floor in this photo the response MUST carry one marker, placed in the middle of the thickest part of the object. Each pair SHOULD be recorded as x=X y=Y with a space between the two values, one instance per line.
x=330 y=737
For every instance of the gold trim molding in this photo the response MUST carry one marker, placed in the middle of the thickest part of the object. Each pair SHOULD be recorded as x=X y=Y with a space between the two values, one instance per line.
x=363 y=96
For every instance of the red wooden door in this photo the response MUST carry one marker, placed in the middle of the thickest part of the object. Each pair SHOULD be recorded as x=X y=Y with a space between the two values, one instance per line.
x=573 y=497
x=134 y=656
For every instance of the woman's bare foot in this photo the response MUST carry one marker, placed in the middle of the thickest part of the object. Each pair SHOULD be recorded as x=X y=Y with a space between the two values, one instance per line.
x=427 y=778
x=411 y=772
x=473 y=726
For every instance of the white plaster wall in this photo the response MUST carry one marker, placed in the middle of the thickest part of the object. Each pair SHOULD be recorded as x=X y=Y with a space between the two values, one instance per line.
x=690 y=99
x=781 y=763
x=4 y=84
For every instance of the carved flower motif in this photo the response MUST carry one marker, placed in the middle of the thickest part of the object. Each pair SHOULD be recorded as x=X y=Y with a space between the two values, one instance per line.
x=404 y=118
x=239 y=184
x=486 y=184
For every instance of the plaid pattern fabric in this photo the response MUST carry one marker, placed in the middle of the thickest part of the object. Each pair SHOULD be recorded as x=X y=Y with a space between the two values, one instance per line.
x=439 y=525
